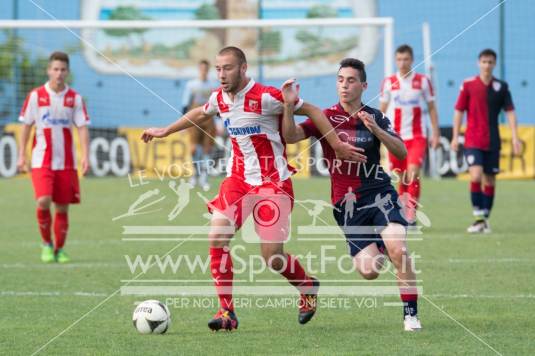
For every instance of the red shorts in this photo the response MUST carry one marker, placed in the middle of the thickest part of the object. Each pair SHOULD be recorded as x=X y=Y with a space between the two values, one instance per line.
x=61 y=185
x=416 y=150
x=267 y=202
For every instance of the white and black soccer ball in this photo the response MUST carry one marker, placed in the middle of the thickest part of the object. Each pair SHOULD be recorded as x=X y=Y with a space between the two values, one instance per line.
x=151 y=317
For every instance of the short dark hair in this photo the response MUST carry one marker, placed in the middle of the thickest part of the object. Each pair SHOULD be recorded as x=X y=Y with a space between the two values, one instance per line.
x=355 y=64
x=59 y=56
x=405 y=48
x=238 y=53
x=488 y=52
x=205 y=62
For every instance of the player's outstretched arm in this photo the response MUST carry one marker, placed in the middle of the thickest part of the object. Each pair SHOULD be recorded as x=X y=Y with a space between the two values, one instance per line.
x=343 y=150
x=291 y=132
x=194 y=117
x=21 y=163
x=457 y=121
x=392 y=142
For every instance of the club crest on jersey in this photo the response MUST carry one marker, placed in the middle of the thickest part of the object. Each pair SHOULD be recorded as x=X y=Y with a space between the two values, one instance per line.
x=69 y=101
x=496 y=85
x=252 y=105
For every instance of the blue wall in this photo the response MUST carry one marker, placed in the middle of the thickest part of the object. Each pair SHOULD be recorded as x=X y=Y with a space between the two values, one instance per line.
x=453 y=63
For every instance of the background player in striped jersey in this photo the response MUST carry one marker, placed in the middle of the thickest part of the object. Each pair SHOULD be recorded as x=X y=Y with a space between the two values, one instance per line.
x=407 y=98
x=483 y=97
x=257 y=168
x=196 y=93
x=53 y=109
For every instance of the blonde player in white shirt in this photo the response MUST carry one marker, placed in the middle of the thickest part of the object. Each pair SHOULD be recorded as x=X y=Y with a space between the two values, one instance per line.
x=53 y=109
x=407 y=98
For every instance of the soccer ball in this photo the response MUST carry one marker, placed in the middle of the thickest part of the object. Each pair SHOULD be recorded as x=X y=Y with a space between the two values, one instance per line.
x=151 y=317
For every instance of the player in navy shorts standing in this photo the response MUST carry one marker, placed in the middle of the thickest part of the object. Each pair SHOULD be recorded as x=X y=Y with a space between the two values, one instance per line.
x=482 y=98
x=366 y=204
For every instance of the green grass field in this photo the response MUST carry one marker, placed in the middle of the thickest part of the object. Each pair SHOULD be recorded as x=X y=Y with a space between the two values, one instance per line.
x=485 y=283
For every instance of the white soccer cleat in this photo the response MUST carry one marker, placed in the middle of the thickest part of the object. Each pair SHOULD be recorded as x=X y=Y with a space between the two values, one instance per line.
x=412 y=323
x=477 y=227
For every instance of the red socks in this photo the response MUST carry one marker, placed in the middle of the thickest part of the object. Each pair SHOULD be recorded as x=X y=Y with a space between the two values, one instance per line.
x=61 y=225
x=221 y=268
x=413 y=188
x=295 y=274
x=44 y=221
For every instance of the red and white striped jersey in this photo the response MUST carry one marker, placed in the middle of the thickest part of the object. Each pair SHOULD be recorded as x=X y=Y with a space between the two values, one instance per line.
x=407 y=98
x=53 y=115
x=253 y=123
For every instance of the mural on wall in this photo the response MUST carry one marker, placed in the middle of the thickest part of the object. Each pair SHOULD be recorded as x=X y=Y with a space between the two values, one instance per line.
x=284 y=51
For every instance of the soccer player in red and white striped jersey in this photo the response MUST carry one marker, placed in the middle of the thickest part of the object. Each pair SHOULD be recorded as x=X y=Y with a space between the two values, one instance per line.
x=53 y=109
x=257 y=169
x=407 y=98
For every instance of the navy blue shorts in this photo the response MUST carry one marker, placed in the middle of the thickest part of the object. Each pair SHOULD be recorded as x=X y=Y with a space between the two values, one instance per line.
x=489 y=160
x=370 y=215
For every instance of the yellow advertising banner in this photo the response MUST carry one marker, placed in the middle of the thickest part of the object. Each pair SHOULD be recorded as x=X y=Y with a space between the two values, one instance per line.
x=298 y=157
x=170 y=156
x=522 y=166
x=511 y=166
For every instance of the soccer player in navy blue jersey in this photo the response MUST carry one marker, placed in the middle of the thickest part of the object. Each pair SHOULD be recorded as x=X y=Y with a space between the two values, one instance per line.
x=366 y=204
x=483 y=97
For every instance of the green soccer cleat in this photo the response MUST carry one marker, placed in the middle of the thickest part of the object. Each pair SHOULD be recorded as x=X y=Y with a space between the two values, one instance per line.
x=62 y=257
x=47 y=254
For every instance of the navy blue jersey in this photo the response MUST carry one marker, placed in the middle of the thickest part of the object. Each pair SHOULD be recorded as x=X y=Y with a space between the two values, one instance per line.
x=361 y=178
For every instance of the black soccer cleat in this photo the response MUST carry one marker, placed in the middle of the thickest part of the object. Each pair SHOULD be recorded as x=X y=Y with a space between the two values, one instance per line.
x=308 y=302
x=224 y=319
